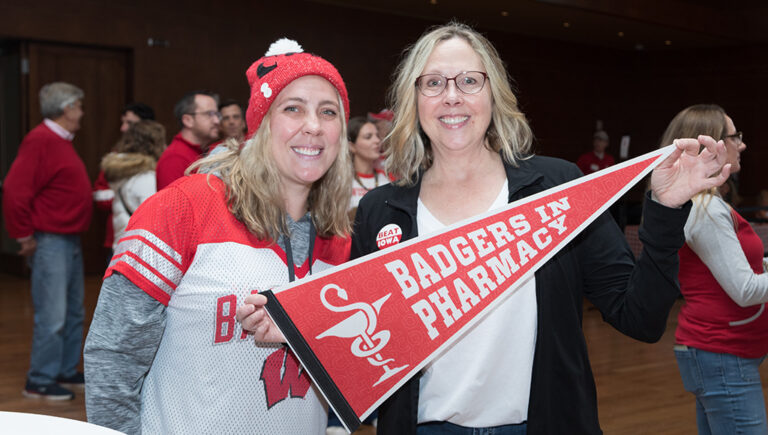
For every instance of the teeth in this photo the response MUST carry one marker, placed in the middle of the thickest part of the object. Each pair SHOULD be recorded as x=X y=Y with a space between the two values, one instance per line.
x=305 y=151
x=453 y=119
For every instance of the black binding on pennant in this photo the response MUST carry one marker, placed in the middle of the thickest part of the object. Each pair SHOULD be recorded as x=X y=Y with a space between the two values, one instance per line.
x=311 y=363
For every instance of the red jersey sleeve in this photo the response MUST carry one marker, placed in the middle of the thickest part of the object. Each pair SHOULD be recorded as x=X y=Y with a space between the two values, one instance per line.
x=102 y=194
x=158 y=244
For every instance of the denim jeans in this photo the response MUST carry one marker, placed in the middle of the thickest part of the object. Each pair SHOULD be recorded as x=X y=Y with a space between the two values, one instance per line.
x=57 y=296
x=444 y=427
x=729 y=394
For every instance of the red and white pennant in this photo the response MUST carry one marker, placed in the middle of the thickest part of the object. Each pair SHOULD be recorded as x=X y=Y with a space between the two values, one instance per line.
x=362 y=329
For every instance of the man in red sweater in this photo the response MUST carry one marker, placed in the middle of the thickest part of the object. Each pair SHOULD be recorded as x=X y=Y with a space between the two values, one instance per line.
x=47 y=204
x=596 y=159
x=199 y=118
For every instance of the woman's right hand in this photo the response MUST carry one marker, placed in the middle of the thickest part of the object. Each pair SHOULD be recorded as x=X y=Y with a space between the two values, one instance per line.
x=253 y=318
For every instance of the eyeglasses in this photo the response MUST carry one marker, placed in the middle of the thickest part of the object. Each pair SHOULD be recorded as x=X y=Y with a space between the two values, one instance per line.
x=736 y=137
x=468 y=82
x=208 y=113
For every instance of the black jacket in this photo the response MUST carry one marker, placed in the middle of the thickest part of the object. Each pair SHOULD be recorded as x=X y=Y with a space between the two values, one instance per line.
x=598 y=264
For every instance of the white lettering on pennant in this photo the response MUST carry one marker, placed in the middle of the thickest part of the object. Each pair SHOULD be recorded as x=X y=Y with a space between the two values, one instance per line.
x=520 y=225
x=427 y=275
x=478 y=238
x=427 y=316
x=399 y=271
x=443 y=259
x=445 y=306
x=500 y=233
x=464 y=254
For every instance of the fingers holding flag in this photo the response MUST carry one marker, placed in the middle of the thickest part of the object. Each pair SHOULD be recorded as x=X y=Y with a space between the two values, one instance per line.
x=688 y=171
x=253 y=318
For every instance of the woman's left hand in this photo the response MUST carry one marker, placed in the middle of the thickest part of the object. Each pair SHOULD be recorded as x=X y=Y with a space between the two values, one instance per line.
x=687 y=172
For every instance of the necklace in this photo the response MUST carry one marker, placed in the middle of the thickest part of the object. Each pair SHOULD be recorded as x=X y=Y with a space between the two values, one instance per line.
x=360 y=182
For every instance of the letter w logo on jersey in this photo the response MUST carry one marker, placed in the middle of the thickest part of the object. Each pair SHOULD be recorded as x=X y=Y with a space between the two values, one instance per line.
x=283 y=376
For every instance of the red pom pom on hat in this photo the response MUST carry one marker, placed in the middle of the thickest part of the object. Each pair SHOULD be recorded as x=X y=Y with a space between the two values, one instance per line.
x=284 y=62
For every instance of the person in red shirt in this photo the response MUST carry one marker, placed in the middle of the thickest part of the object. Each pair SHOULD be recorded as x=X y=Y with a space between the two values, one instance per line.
x=198 y=115
x=596 y=159
x=722 y=329
x=47 y=204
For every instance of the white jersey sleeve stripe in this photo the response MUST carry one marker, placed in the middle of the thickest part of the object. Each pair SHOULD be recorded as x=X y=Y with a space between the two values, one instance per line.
x=145 y=271
x=149 y=254
x=161 y=245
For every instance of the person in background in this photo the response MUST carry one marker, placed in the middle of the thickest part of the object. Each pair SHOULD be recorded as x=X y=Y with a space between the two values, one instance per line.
x=596 y=159
x=130 y=170
x=383 y=122
x=198 y=115
x=133 y=113
x=365 y=146
x=722 y=332
x=102 y=194
x=47 y=205
x=232 y=120
x=164 y=353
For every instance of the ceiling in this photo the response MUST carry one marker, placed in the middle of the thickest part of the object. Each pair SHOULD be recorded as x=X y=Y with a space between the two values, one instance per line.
x=625 y=24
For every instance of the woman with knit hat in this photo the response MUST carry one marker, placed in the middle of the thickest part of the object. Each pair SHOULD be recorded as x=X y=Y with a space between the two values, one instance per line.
x=165 y=353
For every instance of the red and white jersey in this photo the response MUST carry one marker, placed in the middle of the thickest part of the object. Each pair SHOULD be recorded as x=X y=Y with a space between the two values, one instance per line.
x=363 y=183
x=185 y=249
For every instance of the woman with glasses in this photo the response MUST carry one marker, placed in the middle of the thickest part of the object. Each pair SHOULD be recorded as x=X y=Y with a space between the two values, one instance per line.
x=722 y=332
x=461 y=147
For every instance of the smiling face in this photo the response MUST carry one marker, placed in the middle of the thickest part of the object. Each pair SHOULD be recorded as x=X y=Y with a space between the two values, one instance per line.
x=305 y=124
x=453 y=120
x=733 y=146
x=367 y=147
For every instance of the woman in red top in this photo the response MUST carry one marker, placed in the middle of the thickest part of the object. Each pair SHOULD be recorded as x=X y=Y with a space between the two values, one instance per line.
x=722 y=333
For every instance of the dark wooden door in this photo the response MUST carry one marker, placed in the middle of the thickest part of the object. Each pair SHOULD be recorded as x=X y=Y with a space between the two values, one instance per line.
x=104 y=75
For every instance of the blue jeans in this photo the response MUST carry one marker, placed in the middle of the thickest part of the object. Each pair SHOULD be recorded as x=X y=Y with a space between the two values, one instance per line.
x=57 y=296
x=443 y=427
x=729 y=394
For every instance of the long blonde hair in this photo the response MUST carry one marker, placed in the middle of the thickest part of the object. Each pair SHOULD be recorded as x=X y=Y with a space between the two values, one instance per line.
x=254 y=187
x=706 y=119
x=409 y=148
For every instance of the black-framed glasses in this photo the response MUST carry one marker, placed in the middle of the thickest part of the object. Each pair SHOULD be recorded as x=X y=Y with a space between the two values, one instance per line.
x=737 y=137
x=208 y=113
x=468 y=82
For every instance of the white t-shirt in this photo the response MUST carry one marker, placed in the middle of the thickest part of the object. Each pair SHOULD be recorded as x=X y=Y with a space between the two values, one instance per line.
x=363 y=183
x=483 y=379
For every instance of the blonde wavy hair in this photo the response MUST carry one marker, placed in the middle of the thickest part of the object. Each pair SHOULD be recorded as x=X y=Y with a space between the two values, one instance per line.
x=409 y=148
x=253 y=185
x=706 y=119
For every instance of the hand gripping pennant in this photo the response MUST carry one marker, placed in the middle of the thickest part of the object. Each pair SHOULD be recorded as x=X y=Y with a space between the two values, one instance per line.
x=362 y=329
